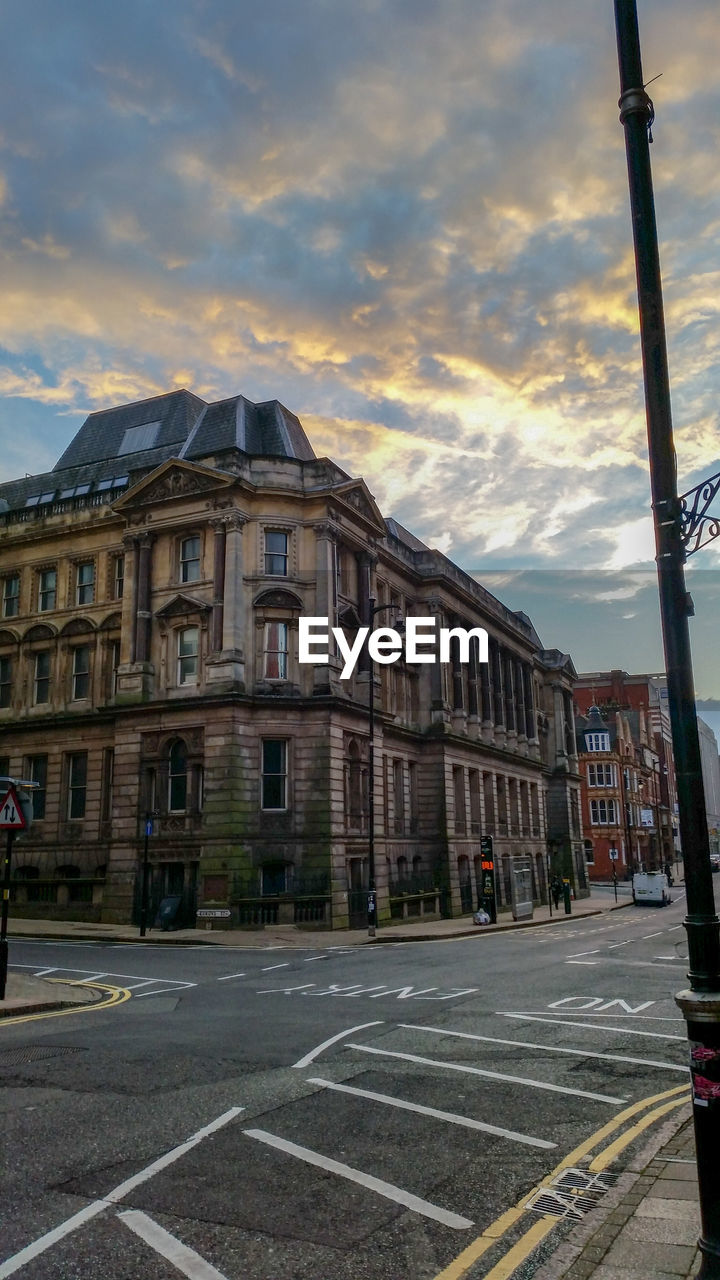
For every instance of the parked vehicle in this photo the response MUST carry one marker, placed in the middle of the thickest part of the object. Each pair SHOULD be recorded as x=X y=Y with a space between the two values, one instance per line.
x=715 y=861
x=650 y=887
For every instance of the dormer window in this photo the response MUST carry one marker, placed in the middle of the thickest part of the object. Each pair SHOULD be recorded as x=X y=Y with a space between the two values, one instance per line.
x=597 y=741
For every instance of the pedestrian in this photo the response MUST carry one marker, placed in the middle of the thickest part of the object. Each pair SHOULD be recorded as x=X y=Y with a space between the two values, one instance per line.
x=556 y=890
x=668 y=873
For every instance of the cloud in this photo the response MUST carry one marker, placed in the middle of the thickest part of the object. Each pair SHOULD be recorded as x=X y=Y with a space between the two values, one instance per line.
x=408 y=221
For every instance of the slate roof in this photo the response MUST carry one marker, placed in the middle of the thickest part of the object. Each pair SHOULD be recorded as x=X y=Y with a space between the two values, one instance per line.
x=177 y=424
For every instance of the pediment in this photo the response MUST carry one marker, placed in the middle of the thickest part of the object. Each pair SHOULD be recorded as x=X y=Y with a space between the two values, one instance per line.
x=174 y=479
x=181 y=605
x=357 y=495
x=277 y=599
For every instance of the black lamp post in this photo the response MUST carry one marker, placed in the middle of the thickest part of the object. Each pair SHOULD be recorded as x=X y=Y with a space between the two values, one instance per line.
x=681 y=527
x=152 y=813
x=373 y=610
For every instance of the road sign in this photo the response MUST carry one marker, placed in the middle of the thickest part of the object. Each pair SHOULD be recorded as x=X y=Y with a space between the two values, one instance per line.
x=11 y=815
x=613 y=855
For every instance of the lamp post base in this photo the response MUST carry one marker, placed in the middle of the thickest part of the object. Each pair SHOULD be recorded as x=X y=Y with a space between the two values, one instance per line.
x=701 y=1010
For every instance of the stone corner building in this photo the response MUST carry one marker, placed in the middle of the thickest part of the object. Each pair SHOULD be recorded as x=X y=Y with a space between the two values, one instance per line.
x=151 y=586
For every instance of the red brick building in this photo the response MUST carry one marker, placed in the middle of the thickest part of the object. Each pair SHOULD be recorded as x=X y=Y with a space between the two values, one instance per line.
x=620 y=793
x=643 y=700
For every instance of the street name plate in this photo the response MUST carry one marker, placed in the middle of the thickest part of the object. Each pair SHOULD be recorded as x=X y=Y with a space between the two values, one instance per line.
x=213 y=913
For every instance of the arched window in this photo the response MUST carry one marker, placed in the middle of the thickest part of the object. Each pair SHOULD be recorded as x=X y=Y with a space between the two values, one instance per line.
x=177 y=777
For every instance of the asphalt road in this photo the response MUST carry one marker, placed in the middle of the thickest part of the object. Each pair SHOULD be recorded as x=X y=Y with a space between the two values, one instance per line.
x=341 y=1113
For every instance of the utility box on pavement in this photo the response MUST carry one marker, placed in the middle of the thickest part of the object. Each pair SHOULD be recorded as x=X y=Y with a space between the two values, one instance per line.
x=522 y=895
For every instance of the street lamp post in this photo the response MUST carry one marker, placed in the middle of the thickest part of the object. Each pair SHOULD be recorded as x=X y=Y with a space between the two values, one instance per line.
x=152 y=813
x=373 y=610
x=679 y=522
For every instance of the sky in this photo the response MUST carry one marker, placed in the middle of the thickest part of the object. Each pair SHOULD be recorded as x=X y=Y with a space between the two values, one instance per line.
x=408 y=220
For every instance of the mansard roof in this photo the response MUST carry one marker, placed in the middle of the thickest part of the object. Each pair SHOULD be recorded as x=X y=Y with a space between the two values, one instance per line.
x=115 y=447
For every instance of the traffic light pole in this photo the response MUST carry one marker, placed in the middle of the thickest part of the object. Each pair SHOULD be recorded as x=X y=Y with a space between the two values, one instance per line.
x=673 y=530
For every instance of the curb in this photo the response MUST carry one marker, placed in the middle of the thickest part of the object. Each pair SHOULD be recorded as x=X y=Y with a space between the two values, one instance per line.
x=579 y=1255
x=389 y=934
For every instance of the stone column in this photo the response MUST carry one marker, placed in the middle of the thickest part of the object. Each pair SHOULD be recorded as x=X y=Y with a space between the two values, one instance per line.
x=226 y=668
x=143 y=615
x=216 y=621
x=497 y=688
x=326 y=676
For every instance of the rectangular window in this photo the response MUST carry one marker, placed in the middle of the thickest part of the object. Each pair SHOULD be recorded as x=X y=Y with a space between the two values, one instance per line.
x=597 y=741
x=601 y=775
x=114 y=664
x=475 y=812
x=41 y=692
x=5 y=682
x=188 y=640
x=458 y=774
x=37 y=772
x=602 y=813
x=118 y=577
x=81 y=672
x=190 y=559
x=274 y=773
x=399 y=796
x=47 y=590
x=413 y=796
x=85 y=583
x=276 y=553
x=107 y=784
x=11 y=596
x=77 y=784
x=276 y=651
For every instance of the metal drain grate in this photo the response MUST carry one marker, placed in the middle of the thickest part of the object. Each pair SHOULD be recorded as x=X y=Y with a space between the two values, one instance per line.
x=572 y=1194
x=34 y=1053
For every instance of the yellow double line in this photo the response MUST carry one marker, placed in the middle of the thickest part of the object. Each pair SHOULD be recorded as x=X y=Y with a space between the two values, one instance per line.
x=543 y=1226
x=116 y=995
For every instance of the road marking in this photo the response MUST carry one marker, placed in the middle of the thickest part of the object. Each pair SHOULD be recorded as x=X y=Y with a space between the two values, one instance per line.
x=169 y=1247
x=309 y=959
x=269 y=968
x=315 y=1053
x=286 y=991
x=450 y=1117
x=652 y=935
x=65 y=1228
x=226 y=977
x=497 y=1229
x=386 y=1189
x=41 y=973
x=590 y=962
x=584 y=953
x=118 y=995
x=626 y=1031
x=548 y=1048
x=489 y=1075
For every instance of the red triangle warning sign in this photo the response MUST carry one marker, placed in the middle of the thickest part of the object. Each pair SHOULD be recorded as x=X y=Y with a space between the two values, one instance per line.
x=11 y=815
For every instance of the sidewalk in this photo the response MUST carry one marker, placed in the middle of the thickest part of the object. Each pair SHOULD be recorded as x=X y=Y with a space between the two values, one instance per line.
x=645 y=1229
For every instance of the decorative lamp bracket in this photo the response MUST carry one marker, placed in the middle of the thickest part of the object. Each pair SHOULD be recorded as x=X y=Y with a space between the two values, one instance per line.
x=696 y=527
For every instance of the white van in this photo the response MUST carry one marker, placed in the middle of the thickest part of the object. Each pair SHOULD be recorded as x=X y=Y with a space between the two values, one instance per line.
x=650 y=887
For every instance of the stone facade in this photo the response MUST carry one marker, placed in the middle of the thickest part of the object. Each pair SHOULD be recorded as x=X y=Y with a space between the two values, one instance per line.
x=150 y=683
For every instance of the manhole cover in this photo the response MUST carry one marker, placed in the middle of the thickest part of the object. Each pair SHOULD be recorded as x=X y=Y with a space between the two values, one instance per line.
x=572 y=1194
x=34 y=1053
